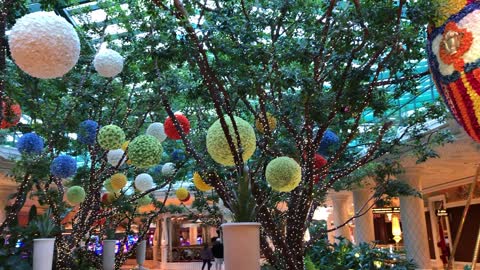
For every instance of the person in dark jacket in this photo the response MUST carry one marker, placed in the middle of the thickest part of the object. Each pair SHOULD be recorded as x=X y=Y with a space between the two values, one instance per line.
x=206 y=255
x=217 y=251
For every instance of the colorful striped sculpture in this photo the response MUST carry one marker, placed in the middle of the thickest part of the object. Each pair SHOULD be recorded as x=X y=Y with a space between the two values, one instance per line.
x=454 y=60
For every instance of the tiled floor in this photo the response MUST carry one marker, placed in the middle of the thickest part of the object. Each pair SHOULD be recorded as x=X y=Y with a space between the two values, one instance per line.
x=171 y=266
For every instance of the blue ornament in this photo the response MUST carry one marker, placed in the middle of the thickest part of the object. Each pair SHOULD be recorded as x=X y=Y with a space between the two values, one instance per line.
x=329 y=140
x=178 y=155
x=157 y=170
x=87 y=132
x=63 y=166
x=30 y=143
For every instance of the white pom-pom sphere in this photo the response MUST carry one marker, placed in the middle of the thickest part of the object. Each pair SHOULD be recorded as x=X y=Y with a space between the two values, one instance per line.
x=168 y=169
x=114 y=157
x=108 y=63
x=156 y=130
x=44 y=45
x=143 y=182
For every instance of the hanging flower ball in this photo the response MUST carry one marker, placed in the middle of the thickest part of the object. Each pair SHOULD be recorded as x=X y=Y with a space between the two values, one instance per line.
x=272 y=123
x=63 y=166
x=168 y=169
x=178 y=155
x=114 y=157
x=320 y=161
x=87 y=132
x=110 y=137
x=145 y=200
x=75 y=195
x=30 y=143
x=109 y=197
x=108 y=63
x=329 y=139
x=218 y=147
x=118 y=181
x=156 y=130
x=182 y=194
x=170 y=129
x=145 y=151
x=11 y=115
x=199 y=183
x=283 y=174
x=44 y=45
x=125 y=145
x=107 y=184
x=143 y=182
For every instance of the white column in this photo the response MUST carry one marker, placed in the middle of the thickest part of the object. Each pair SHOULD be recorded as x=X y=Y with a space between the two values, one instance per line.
x=193 y=232
x=364 y=230
x=157 y=239
x=164 y=243
x=414 y=226
x=340 y=213
x=331 y=235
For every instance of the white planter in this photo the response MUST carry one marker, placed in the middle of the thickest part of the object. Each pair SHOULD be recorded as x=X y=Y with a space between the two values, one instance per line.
x=109 y=254
x=241 y=244
x=43 y=253
x=141 y=249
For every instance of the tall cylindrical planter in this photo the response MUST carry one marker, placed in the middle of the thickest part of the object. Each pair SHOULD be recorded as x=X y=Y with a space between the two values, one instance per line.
x=43 y=253
x=241 y=243
x=109 y=254
x=141 y=249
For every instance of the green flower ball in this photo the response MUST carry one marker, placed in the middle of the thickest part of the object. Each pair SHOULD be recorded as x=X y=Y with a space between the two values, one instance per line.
x=145 y=151
x=145 y=200
x=283 y=174
x=75 y=195
x=217 y=145
x=111 y=137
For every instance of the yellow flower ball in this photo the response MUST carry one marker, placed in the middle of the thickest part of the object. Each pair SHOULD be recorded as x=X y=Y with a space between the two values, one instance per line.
x=199 y=183
x=182 y=194
x=118 y=181
x=272 y=123
x=125 y=145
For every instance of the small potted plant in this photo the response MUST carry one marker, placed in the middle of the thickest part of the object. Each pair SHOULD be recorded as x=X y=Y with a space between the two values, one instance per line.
x=43 y=246
x=109 y=247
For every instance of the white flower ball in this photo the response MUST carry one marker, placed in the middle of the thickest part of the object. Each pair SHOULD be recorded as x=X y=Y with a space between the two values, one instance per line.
x=168 y=169
x=156 y=130
x=108 y=63
x=44 y=45
x=143 y=182
x=114 y=157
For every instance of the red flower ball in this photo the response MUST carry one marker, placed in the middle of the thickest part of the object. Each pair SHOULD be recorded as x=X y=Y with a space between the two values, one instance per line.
x=186 y=199
x=320 y=161
x=10 y=116
x=170 y=129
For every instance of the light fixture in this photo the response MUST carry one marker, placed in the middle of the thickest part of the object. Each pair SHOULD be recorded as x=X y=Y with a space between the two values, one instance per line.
x=396 y=230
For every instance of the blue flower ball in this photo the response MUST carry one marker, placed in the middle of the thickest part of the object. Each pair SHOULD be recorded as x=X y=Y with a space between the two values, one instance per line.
x=178 y=155
x=30 y=143
x=329 y=140
x=63 y=166
x=87 y=132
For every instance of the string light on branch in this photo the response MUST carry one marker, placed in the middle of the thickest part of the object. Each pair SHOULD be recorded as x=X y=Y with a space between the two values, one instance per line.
x=44 y=45
x=217 y=145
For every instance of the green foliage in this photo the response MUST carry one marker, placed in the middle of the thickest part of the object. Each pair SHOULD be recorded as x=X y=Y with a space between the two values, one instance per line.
x=344 y=256
x=44 y=225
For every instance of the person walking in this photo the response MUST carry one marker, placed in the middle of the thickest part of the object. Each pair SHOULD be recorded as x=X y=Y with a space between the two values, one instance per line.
x=206 y=256
x=217 y=251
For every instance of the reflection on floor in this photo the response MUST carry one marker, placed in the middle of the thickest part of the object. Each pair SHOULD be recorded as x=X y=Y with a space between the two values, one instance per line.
x=171 y=266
